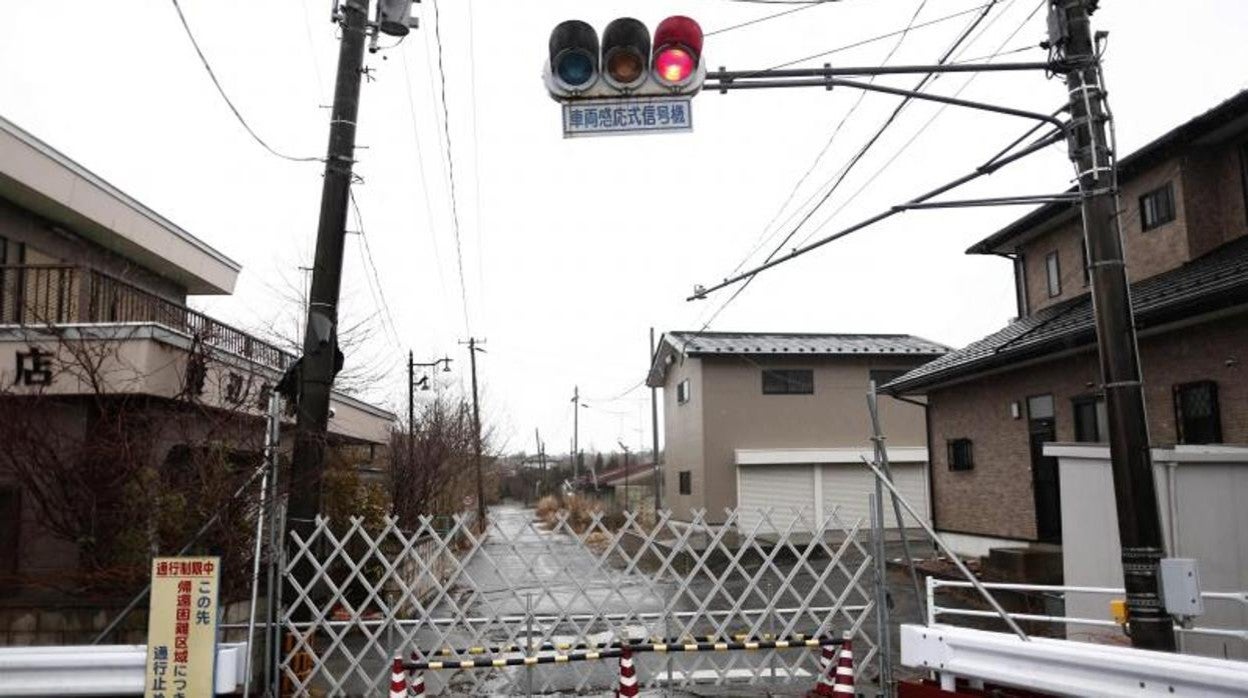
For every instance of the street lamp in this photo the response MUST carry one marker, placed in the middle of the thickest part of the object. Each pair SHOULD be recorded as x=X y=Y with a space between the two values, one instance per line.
x=412 y=383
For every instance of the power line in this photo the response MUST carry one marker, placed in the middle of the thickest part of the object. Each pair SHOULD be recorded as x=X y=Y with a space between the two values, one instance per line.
x=424 y=185
x=905 y=146
x=923 y=82
x=220 y=90
x=476 y=156
x=450 y=162
x=881 y=37
x=371 y=267
x=854 y=161
x=766 y=236
x=765 y=18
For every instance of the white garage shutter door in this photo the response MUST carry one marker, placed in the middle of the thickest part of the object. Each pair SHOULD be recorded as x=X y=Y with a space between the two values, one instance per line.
x=783 y=488
x=848 y=485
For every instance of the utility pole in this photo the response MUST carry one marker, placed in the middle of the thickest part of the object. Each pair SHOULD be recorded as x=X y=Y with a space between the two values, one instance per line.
x=476 y=427
x=1139 y=522
x=411 y=410
x=576 y=428
x=626 y=488
x=654 y=434
x=320 y=362
x=541 y=453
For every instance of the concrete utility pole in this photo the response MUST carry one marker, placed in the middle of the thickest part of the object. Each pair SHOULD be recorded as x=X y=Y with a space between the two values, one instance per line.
x=654 y=435
x=476 y=427
x=1139 y=522
x=320 y=361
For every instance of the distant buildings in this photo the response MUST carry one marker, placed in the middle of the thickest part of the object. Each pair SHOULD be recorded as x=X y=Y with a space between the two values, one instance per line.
x=769 y=420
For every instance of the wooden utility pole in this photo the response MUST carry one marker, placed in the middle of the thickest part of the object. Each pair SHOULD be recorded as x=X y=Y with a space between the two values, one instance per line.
x=476 y=428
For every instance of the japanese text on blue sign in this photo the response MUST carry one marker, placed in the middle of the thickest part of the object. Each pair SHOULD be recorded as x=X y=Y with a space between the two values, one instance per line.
x=607 y=117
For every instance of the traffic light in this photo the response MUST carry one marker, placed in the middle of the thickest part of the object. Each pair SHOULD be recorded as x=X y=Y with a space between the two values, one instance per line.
x=626 y=63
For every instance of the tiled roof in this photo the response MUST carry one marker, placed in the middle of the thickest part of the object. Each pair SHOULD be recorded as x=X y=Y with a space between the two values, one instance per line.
x=1216 y=281
x=695 y=344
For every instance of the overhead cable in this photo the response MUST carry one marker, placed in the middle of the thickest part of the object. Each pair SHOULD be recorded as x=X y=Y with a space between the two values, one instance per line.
x=221 y=90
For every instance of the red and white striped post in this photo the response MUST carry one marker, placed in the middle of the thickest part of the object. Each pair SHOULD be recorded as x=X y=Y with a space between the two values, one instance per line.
x=398 y=684
x=628 y=675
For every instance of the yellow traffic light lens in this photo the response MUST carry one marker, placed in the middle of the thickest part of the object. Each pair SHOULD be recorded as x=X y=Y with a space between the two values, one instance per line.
x=625 y=67
x=673 y=65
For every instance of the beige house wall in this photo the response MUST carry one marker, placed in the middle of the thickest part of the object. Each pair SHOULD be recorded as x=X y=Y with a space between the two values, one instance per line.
x=683 y=439
x=728 y=411
x=151 y=360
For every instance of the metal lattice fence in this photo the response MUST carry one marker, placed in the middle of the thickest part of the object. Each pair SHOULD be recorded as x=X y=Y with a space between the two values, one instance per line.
x=361 y=596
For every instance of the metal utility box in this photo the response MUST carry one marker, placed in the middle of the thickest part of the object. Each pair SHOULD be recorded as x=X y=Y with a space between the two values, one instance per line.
x=1180 y=587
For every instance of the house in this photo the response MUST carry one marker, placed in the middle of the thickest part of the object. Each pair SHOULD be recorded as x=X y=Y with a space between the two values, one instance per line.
x=97 y=343
x=769 y=420
x=994 y=404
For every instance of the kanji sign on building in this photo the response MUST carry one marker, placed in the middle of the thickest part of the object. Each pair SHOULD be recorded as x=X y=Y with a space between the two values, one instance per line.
x=610 y=117
x=182 y=627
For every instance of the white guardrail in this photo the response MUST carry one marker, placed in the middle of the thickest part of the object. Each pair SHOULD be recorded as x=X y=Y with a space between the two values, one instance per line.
x=1063 y=667
x=99 y=670
x=934 y=611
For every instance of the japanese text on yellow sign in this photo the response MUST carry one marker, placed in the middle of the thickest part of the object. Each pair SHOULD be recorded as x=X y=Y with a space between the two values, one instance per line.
x=182 y=627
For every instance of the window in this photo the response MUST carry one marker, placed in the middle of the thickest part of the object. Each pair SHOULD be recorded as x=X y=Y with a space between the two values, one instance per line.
x=884 y=376
x=682 y=391
x=960 y=457
x=1157 y=207
x=1040 y=407
x=10 y=532
x=1054 y=273
x=789 y=381
x=1196 y=415
x=1090 y=419
x=686 y=482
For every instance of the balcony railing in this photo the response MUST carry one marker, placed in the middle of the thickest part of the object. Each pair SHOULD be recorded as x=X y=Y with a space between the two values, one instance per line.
x=57 y=294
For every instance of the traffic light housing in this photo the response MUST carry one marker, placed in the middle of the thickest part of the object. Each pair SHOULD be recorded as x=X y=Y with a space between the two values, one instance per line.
x=626 y=63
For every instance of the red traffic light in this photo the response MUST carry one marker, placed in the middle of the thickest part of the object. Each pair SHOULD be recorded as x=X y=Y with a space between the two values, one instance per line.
x=677 y=50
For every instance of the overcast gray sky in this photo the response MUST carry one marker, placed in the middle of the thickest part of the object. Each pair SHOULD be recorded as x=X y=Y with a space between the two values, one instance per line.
x=572 y=249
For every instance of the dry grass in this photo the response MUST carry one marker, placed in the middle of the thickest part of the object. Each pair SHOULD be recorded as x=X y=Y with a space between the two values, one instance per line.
x=578 y=511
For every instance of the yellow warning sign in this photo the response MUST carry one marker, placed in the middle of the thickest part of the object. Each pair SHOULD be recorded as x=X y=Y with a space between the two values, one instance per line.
x=182 y=627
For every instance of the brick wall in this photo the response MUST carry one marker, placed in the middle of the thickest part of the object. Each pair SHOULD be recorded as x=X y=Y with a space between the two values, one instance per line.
x=995 y=498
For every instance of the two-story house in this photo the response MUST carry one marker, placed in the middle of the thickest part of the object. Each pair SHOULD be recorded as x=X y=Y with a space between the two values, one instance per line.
x=98 y=346
x=994 y=404
x=780 y=421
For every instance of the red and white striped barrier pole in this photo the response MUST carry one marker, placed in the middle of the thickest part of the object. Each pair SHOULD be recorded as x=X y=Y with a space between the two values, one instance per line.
x=398 y=684
x=845 y=667
x=836 y=671
x=628 y=676
x=416 y=678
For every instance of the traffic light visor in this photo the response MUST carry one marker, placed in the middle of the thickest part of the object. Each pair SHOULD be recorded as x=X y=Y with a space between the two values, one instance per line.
x=677 y=49
x=574 y=54
x=626 y=52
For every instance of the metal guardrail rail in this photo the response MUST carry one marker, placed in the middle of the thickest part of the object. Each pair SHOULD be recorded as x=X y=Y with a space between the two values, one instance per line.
x=57 y=294
x=99 y=670
x=934 y=611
